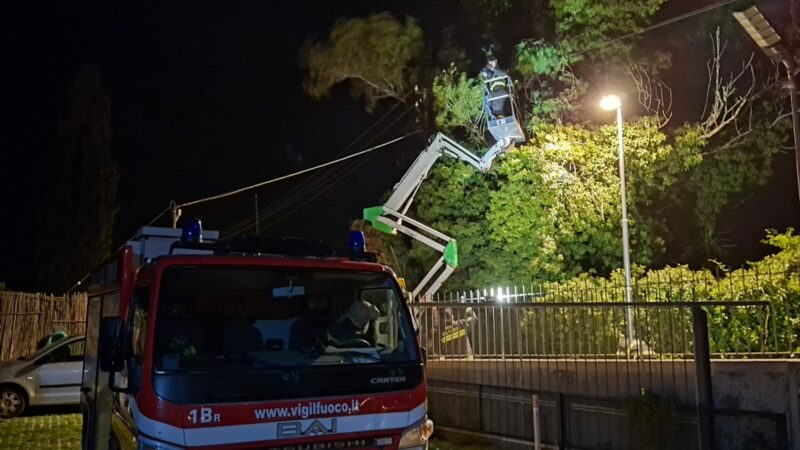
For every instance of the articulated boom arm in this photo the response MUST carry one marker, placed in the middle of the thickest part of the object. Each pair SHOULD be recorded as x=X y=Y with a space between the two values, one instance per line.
x=391 y=217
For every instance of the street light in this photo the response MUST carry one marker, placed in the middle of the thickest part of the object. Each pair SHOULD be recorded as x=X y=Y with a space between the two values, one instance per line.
x=610 y=103
x=770 y=42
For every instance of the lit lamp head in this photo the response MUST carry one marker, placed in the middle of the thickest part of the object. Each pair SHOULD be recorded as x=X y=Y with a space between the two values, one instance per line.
x=610 y=102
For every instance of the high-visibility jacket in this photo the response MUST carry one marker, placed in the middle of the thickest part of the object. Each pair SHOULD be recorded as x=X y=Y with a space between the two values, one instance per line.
x=496 y=85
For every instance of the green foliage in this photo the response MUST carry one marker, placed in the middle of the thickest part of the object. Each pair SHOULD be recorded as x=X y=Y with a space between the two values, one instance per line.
x=458 y=104
x=554 y=101
x=455 y=201
x=728 y=169
x=82 y=187
x=775 y=278
x=583 y=24
x=550 y=209
x=668 y=331
x=664 y=332
x=374 y=54
x=549 y=89
x=537 y=58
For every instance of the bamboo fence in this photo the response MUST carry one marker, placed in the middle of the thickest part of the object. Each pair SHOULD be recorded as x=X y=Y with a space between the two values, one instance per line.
x=26 y=318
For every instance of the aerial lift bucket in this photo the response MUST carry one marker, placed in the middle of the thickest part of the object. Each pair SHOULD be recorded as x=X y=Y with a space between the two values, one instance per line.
x=501 y=109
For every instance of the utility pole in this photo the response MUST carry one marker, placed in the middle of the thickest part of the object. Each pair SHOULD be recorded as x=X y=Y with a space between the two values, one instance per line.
x=613 y=103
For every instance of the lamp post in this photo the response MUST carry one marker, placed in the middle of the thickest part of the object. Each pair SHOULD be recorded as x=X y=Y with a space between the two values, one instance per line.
x=610 y=103
x=760 y=30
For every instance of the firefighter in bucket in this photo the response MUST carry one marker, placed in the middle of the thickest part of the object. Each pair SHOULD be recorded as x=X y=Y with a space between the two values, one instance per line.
x=496 y=92
x=455 y=333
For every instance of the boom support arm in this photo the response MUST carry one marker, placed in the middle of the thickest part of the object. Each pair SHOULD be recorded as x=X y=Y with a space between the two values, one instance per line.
x=391 y=217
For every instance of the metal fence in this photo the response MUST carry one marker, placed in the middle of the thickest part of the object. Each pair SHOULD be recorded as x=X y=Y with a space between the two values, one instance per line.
x=761 y=321
x=598 y=330
x=486 y=360
x=590 y=422
x=668 y=284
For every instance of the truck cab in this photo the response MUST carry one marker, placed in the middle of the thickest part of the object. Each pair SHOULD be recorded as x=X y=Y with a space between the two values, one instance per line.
x=276 y=344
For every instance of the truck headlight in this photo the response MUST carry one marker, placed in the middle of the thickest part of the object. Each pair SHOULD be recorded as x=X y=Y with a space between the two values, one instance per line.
x=416 y=437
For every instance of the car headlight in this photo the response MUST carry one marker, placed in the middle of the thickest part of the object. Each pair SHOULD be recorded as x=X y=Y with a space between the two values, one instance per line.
x=416 y=437
x=144 y=443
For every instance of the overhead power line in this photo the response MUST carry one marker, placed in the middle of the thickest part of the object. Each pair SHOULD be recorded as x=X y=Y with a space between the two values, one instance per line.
x=294 y=174
x=323 y=178
x=310 y=190
x=664 y=23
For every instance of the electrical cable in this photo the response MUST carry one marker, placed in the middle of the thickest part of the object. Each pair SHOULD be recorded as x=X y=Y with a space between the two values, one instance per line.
x=343 y=171
x=664 y=23
x=326 y=179
x=329 y=172
x=237 y=191
x=294 y=174
x=346 y=170
x=301 y=190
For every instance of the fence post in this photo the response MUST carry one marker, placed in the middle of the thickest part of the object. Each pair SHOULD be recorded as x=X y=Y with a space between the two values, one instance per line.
x=480 y=408
x=702 y=371
x=561 y=419
x=537 y=437
x=781 y=432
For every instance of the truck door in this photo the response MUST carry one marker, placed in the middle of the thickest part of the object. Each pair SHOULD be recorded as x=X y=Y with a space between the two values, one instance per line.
x=95 y=395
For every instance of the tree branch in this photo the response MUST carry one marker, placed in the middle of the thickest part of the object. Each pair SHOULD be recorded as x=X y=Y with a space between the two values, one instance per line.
x=654 y=95
x=726 y=105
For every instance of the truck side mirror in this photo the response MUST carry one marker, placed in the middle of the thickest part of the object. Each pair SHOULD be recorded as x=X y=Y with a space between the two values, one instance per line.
x=109 y=346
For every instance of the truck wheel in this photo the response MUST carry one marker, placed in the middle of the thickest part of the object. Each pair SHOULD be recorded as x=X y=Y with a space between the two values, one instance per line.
x=12 y=402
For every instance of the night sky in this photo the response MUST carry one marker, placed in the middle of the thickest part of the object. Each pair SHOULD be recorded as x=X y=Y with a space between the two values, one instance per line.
x=207 y=97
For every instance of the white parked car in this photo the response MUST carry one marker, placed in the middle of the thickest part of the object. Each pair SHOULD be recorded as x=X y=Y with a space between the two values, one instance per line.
x=50 y=376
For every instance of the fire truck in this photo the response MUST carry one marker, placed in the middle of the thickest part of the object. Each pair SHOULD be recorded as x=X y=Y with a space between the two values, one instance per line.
x=252 y=344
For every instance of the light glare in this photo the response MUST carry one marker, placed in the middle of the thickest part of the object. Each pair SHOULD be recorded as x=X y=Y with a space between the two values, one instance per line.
x=610 y=102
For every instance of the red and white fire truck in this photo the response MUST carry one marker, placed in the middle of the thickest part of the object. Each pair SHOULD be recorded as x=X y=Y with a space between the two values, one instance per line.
x=268 y=344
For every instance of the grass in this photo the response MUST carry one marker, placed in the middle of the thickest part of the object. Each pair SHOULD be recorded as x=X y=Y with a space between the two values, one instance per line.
x=46 y=432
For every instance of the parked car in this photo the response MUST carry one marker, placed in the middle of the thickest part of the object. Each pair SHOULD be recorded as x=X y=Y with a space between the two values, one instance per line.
x=50 y=376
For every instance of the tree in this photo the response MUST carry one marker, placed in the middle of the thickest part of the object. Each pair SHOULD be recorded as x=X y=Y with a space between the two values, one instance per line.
x=78 y=213
x=550 y=208
x=458 y=105
x=586 y=24
x=373 y=54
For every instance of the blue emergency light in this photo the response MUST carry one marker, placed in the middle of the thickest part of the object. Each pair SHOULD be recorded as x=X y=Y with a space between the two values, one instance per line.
x=192 y=232
x=356 y=242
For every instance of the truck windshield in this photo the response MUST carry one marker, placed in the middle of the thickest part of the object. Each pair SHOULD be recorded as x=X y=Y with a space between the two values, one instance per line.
x=228 y=319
